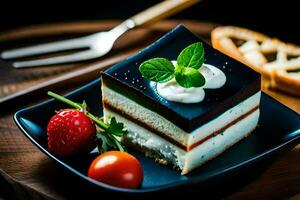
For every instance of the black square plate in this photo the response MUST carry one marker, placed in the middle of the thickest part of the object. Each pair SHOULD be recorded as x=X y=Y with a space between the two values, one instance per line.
x=278 y=130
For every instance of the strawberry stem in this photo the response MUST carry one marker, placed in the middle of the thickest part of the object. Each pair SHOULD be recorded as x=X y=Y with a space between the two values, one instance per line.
x=97 y=121
x=64 y=100
x=79 y=107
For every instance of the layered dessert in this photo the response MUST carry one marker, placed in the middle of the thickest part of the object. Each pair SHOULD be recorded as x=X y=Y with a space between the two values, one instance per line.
x=186 y=118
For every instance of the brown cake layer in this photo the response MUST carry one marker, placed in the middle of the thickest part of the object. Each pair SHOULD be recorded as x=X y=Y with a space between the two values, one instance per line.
x=222 y=129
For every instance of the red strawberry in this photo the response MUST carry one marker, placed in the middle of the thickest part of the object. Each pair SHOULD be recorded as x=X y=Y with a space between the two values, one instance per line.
x=70 y=132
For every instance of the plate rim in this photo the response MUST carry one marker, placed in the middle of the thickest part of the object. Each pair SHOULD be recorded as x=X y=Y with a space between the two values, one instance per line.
x=176 y=184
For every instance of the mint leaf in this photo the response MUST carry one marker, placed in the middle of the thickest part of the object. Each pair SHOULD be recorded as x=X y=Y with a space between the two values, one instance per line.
x=189 y=77
x=192 y=56
x=157 y=70
x=186 y=71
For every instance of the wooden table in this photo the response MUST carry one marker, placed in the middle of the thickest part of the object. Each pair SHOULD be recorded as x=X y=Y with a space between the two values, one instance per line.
x=26 y=173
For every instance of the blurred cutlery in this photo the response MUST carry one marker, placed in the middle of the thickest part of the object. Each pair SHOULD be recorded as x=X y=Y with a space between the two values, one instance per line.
x=99 y=43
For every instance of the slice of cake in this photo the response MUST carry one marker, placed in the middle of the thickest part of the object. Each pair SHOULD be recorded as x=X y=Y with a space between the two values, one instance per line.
x=182 y=132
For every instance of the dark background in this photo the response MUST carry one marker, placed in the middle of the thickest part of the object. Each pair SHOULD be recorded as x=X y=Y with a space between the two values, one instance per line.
x=275 y=18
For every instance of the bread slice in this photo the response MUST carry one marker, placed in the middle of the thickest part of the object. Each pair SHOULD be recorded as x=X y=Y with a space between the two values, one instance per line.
x=277 y=61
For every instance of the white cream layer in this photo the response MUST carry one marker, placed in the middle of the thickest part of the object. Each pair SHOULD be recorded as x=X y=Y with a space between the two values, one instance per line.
x=163 y=125
x=204 y=152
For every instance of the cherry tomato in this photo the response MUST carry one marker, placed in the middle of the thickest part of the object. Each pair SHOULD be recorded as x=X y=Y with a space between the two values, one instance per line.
x=118 y=169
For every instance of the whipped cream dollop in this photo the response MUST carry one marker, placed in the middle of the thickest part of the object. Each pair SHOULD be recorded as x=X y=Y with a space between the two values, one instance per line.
x=172 y=91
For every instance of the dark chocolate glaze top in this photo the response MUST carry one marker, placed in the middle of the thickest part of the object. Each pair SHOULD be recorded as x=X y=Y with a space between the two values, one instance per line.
x=126 y=79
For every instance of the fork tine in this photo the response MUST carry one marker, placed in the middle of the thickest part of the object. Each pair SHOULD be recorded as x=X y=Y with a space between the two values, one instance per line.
x=75 y=57
x=46 y=48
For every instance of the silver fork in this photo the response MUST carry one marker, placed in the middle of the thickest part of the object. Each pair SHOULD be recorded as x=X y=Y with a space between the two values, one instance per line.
x=99 y=43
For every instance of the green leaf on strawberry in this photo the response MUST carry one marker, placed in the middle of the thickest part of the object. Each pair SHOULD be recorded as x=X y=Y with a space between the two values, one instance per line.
x=116 y=128
x=104 y=143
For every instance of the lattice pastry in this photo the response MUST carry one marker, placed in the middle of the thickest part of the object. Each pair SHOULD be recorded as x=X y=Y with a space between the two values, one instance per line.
x=277 y=61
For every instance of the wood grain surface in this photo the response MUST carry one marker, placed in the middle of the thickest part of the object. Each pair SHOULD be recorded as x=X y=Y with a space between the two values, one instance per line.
x=26 y=173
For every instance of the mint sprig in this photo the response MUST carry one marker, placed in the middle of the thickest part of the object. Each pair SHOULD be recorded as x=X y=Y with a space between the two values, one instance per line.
x=107 y=135
x=189 y=77
x=157 y=69
x=192 y=56
x=186 y=71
